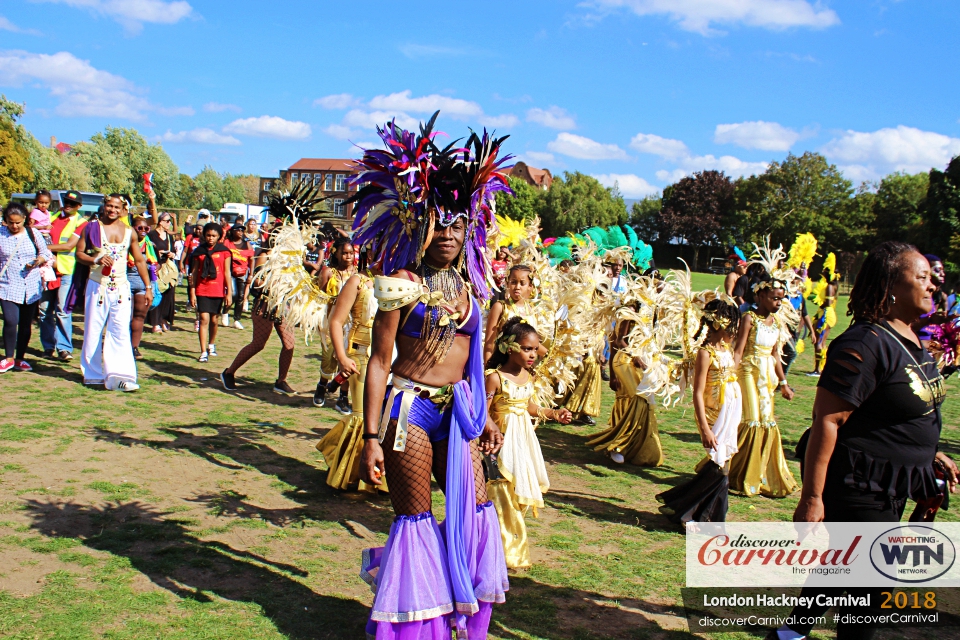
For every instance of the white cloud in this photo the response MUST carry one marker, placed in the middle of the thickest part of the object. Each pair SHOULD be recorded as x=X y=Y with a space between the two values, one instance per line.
x=575 y=146
x=402 y=101
x=893 y=149
x=82 y=89
x=198 y=136
x=730 y=165
x=554 y=118
x=768 y=136
x=218 y=107
x=663 y=147
x=384 y=108
x=338 y=131
x=538 y=157
x=133 y=13
x=269 y=127
x=370 y=119
x=6 y=25
x=336 y=101
x=506 y=120
x=700 y=15
x=630 y=185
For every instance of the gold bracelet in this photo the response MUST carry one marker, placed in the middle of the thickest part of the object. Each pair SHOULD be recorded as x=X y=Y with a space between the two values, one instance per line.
x=540 y=413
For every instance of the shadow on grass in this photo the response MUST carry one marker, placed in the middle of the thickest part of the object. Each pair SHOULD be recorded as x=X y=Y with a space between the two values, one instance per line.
x=238 y=447
x=161 y=548
x=534 y=609
x=585 y=505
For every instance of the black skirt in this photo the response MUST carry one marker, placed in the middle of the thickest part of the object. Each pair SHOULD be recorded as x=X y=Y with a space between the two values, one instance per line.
x=702 y=499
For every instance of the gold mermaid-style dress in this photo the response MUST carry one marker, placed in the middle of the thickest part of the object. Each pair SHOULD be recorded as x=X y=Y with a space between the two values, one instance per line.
x=584 y=399
x=520 y=463
x=633 y=421
x=342 y=445
x=759 y=466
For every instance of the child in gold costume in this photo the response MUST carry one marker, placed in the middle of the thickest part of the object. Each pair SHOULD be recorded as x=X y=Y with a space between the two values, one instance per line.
x=759 y=467
x=718 y=405
x=518 y=479
x=632 y=435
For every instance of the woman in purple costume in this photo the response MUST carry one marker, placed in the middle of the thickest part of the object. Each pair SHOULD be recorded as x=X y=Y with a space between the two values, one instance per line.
x=427 y=211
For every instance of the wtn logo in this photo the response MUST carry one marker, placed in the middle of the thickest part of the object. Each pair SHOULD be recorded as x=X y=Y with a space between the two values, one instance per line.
x=912 y=553
x=895 y=554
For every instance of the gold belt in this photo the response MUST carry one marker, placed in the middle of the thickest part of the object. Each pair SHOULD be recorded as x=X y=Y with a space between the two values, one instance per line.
x=441 y=396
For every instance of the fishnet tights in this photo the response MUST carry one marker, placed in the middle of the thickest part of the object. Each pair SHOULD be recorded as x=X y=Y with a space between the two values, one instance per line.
x=262 y=328
x=408 y=471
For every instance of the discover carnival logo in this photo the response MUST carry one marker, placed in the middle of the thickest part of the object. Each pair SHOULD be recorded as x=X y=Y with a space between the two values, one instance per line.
x=912 y=553
x=822 y=554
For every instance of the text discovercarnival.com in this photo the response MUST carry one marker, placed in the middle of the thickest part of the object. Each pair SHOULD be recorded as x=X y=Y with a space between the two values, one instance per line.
x=751 y=575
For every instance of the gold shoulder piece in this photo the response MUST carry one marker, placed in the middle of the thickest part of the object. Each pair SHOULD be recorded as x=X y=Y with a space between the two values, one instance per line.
x=395 y=293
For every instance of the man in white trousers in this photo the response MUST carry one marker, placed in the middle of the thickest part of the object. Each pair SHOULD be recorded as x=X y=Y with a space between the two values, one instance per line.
x=108 y=304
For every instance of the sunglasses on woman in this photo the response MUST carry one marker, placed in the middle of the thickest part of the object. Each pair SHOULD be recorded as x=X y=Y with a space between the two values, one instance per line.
x=143 y=228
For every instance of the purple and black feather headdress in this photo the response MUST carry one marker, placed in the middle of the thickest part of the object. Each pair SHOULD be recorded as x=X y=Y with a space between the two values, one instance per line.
x=412 y=184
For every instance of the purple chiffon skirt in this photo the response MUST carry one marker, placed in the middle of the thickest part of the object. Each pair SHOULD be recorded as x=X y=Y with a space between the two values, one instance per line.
x=409 y=575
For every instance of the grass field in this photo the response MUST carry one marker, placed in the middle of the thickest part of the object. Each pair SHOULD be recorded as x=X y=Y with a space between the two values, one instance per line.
x=184 y=511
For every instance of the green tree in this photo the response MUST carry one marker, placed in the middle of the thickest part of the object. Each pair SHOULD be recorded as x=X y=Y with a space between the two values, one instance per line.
x=940 y=215
x=525 y=202
x=209 y=185
x=108 y=174
x=15 y=170
x=800 y=194
x=190 y=198
x=696 y=208
x=251 y=188
x=232 y=190
x=578 y=201
x=139 y=157
x=897 y=206
x=645 y=217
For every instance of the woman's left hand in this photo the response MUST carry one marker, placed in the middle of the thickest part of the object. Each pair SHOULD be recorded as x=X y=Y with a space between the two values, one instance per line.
x=786 y=392
x=952 y=471
x=491 y=439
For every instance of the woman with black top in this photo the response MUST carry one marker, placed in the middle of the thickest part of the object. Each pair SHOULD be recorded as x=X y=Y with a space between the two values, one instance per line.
x=160 y=317
x=876 y=422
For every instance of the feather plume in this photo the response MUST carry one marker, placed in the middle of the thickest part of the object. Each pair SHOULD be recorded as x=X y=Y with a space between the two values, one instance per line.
x=802 y=251
x=290 y=290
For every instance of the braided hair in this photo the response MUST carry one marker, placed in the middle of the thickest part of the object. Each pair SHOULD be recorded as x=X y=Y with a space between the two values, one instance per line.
x=883 y=268
x=514 y=330
x=720 y=315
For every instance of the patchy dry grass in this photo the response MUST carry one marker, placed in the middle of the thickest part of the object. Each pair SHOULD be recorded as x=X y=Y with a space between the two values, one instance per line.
x=184 y=511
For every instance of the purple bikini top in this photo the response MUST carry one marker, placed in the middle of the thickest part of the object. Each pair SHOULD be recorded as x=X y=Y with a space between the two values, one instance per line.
x=413 y=324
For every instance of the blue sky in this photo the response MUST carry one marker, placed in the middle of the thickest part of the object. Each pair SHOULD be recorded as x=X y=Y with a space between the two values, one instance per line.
x=639 y=92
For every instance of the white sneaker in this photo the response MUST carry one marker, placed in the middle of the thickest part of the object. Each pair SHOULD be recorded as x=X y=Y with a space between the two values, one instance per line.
x=225 y=319
x=203 y=357
x=237 y=325
x=616 y=456
x=212 y=350
x=196 y=326
x=246 y=306
x=128 y=386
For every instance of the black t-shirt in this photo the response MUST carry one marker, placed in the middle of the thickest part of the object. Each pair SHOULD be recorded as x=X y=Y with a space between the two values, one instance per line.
x=888 y=443
x=161 y=245
x=743 y=289
x=312 y=256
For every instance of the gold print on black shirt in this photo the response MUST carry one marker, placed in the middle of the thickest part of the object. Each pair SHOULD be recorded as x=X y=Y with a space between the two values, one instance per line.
x=931 y=393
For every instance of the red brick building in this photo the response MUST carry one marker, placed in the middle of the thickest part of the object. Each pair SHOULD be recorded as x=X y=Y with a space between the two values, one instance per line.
x=329 y=174
x=539 y=178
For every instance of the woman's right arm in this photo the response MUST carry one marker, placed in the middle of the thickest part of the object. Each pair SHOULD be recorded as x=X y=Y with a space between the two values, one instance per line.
x=743 y=334
x=493 y=323
x=701 y=367
x=384 y=333
x=341 y=310
x=830 y=412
